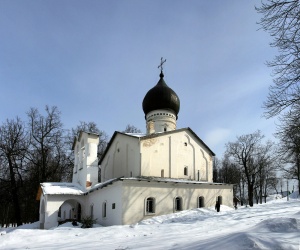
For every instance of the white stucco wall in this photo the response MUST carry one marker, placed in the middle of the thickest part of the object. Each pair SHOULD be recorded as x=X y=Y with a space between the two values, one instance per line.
x=86 y=161
x=135 y=195
x=49 y=206
x=112 y=196
x=125 y=201
x=161 y=155
x=122 y=159
x=171 y=153
x=160 y=120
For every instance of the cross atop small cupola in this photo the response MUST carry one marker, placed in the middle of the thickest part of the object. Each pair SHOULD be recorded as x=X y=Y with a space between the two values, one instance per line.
x=162 y=61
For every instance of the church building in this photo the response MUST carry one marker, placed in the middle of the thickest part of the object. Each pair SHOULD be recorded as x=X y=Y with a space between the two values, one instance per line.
x=163 y=171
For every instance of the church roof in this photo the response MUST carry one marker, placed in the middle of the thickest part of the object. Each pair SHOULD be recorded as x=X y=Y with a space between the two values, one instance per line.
x=140 y=136
x=153 y=179
x=172 y=180
x=161 y=96
x=52 y=188
x=65 y=188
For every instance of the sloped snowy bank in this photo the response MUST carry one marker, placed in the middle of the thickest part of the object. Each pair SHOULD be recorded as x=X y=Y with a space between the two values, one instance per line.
x=274 y=225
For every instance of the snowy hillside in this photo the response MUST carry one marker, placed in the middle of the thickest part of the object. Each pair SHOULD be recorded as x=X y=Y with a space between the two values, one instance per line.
x=275 y=225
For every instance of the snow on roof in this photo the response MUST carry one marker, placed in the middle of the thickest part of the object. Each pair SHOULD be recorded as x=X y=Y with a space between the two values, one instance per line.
x=62 y=188
x=175 y=180
x=103 y=184
x=52 y=188
x=136 y=134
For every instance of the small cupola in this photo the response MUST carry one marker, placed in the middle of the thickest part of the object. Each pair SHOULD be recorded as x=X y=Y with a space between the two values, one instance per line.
x=161 y=106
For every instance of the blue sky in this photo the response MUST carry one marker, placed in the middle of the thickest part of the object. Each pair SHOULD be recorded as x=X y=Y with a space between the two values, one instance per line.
x=96 y=60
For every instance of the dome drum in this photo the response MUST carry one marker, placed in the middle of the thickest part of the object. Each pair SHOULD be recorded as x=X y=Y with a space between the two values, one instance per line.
x=159 y=121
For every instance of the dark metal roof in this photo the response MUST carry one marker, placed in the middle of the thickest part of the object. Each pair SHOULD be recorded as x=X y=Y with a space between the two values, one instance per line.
x=161 y=97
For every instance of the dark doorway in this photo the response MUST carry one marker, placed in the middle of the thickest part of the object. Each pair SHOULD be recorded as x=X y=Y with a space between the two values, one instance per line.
x=79 y=212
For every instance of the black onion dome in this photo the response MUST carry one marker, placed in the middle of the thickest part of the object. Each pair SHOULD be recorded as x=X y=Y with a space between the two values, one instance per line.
x=161 y=97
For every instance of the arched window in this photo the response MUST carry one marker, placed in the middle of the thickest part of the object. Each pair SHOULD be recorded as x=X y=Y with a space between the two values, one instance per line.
x=104 y=209
x=185 y=171
x=201 y=202
x=178 y=204
x=220 y=199
x=162 y=173
x=92 y=212
x=77 y=159
x=150 y=205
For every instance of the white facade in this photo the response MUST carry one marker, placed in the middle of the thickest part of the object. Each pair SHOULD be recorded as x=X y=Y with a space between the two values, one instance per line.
x=164 y=170
x=122 y=159
x=176 y=154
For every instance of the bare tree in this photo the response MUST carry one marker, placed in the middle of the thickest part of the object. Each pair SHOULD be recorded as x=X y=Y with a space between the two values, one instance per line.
x=216 y=168
x=266 y=174
x=281 y=20
x=131 y=129
x=13 y=148
x=243 y=151
x=230 y=172
x=288 y=132
x=47 y=149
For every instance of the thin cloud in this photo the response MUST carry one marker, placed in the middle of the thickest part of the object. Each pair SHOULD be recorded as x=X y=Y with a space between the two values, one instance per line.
x=217 y=136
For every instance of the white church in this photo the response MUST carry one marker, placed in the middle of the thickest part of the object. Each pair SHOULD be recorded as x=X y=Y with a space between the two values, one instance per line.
x=163 y=171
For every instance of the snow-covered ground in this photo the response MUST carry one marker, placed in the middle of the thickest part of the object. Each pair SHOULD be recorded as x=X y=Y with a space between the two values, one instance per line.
x=274 y=225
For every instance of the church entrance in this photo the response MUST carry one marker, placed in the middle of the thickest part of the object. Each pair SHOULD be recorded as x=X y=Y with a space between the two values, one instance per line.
x=79 y=212
x=70 y=210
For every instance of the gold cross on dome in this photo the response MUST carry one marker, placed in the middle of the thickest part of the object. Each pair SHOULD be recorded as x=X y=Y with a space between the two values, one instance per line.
x=162 y=61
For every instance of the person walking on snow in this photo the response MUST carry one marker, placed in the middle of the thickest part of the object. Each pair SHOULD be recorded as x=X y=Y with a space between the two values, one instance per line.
x=217 y=207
